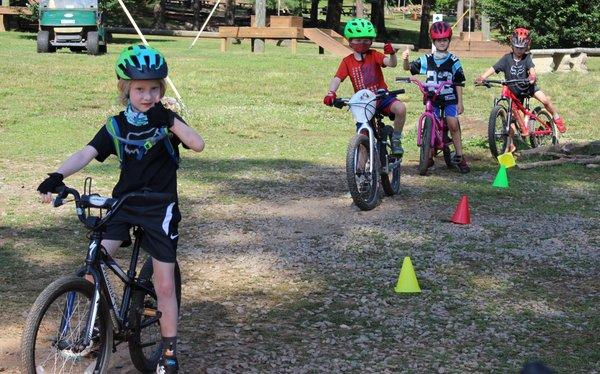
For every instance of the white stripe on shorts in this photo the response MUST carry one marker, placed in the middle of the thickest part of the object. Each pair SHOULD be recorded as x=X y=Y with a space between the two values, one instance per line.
x=167 y=220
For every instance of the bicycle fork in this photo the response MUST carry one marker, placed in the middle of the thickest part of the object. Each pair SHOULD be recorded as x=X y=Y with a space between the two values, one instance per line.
x=365 y=126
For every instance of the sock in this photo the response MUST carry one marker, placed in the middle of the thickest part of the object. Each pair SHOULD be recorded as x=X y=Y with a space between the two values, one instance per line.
x=397 y=134
x=169 y=346
x=556 y=116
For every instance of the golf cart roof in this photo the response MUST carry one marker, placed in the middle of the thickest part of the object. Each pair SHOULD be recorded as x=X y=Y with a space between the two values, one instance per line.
x=69 y=4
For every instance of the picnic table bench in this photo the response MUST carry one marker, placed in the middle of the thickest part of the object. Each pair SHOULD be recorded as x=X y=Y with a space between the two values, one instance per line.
x=562 y=60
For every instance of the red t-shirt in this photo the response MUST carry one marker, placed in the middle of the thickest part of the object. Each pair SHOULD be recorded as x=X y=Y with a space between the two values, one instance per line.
x=363 y=74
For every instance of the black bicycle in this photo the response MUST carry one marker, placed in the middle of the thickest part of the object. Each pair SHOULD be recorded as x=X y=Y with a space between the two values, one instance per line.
x=369 y=161
x=75 y=325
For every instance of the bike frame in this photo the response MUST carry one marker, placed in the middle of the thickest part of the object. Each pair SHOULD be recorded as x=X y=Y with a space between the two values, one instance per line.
x=439 y=124
x=517 y=106
x=97 y=261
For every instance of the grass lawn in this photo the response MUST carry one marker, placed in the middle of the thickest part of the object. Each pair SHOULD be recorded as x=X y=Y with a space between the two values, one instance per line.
x=280 y=272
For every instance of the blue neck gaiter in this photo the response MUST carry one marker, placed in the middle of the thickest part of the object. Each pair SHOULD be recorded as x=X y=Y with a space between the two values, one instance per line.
x=134 y=117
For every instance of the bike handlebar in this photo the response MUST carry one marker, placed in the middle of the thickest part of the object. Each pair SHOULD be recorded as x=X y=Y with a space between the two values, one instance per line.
x=113 y=205
x=489 y=82
x=423 y=86
x=341 y=102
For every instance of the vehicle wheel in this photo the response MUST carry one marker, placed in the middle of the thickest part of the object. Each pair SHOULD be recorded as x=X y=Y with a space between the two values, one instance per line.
x=92 y=43
x=145 y=346
x=498 y=130
x=43 y=42
x=362 y=183
x=390 y=181
x=425 y=152
x=448 y=153
x=51 y=340
x=543 y=139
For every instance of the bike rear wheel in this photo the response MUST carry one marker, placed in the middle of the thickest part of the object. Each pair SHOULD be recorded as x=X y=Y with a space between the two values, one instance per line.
x=543 y=139
x=425 y=152
x=498 y=130
x=362 y=183
x=55 y=328
x=145 y=345
x=390 y=180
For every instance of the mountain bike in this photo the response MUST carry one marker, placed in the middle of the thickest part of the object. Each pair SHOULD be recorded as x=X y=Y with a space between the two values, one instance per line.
x=75 y=325
x=511 y=116
x=432 y=132
x=368 y=159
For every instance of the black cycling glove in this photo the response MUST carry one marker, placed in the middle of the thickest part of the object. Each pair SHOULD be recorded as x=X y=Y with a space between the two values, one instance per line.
x=159 y=116
x=51 y=183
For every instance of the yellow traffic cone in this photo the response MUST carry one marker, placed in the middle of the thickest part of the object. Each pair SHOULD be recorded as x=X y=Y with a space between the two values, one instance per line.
x=507 y=160
x=407 y=280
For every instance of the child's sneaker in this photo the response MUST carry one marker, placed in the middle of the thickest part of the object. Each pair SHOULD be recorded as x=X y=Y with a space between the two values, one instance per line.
x=167 y=365
x=560 y=124
x=397 y=149
x=461 y=164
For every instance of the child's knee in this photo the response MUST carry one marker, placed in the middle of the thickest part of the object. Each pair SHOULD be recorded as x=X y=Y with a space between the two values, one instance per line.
x=452 y=123
x=399 y=108
x=165 y=288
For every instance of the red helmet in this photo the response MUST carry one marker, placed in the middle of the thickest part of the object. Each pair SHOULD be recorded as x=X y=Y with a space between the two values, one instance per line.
x=440 y=30
x=520 y=38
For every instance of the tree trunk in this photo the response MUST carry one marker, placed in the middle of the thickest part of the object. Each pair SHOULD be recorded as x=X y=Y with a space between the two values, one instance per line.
x=230 y=12
x=378 y=16
x=197 y=6
x=424 y=41
x=360 y=9
x=314 y=12
x=159 y=15
x=334 y=13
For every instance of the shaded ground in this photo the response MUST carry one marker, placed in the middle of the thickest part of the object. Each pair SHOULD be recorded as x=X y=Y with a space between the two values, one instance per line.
x=290 y=277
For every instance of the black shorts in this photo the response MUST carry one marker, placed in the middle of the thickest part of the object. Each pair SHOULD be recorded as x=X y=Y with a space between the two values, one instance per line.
x=522 y=92
x=159 y=222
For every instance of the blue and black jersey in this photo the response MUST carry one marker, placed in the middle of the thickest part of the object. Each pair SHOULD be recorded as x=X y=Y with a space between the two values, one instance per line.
x=439 y=70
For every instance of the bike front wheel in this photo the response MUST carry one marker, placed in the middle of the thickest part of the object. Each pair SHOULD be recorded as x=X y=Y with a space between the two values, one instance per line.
x=425 y=152
x=52 y=340
x=145 y=345
x=547 y=134
x=362 y=177
x=498 y=130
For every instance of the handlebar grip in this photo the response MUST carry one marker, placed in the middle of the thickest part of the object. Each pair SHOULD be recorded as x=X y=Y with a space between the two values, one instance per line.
x=339 y=103
x=397 y=92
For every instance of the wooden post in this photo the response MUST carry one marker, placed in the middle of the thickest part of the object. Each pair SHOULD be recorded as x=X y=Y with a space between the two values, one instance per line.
x=224 y=44
x=260 y=16
x=460 y=8
x=485 y=27
x=294 y=43
x=4 y=18
x=5 y=2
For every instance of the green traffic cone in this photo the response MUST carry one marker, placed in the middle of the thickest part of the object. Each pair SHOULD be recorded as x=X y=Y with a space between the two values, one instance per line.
x=501 y=180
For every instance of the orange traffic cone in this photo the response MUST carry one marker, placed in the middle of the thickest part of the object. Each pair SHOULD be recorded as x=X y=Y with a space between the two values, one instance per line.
x=462 y=215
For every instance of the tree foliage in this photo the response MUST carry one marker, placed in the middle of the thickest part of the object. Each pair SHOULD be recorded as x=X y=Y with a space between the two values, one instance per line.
x=554 y=24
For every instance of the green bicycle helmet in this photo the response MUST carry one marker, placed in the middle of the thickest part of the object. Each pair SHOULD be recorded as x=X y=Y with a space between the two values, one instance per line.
x=141 y=62
x=359 y=28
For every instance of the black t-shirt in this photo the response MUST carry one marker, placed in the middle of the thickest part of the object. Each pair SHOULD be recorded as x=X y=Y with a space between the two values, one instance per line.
x=156 y=170
x=515 y=70
x=446 y=69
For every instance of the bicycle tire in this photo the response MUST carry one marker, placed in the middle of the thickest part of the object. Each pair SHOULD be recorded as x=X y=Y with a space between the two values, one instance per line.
x=146 y=361
x=425 y=152
x=498 y=131
x=31 y=353
x=542 y=140
x=391 y=186
x=363 y=186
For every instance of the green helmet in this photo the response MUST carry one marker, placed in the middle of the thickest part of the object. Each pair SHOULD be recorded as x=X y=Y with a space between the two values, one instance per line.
x=141 y=62
x=359 y=28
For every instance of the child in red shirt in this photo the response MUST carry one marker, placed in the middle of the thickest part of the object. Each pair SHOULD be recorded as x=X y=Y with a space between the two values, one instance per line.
x=363 y=67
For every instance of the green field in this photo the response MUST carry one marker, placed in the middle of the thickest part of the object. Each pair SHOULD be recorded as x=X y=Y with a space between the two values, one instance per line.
x=281 y=273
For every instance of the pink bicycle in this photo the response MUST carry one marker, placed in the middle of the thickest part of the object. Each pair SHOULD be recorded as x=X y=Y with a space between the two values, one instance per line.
x=432 y=132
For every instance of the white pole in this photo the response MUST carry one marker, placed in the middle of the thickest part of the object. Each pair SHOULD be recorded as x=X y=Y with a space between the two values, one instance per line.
x=205 y=22
x=470 y=16
x=278 y=7
x=135 y=26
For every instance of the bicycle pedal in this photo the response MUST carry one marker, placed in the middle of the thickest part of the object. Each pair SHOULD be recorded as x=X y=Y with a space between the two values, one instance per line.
x=149 y=312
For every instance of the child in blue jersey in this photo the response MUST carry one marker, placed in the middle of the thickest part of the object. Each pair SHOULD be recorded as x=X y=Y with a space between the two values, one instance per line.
x=438 y=67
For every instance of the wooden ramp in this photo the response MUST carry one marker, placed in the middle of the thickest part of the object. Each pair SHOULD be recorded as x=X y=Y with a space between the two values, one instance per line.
x=328 y=40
